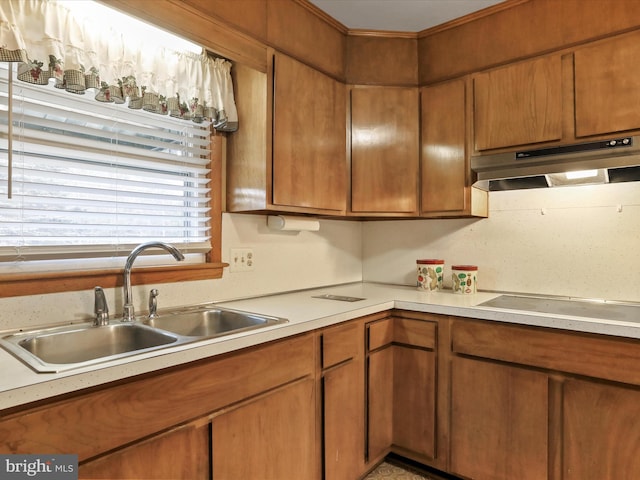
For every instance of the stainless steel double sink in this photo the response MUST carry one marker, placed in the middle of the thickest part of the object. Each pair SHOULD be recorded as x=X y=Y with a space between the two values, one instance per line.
x=57 y=349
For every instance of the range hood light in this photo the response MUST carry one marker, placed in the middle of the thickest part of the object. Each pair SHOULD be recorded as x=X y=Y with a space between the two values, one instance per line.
x=581 y=174
x=580 y=177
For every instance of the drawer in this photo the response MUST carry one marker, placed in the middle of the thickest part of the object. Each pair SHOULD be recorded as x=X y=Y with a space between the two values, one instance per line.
x=415 y=333
x=404 y=331
x=380 y=333
x=339 y=344
x=592 y=355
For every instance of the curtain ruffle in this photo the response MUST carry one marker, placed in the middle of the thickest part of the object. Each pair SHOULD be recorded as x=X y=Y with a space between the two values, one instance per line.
x=52 y=46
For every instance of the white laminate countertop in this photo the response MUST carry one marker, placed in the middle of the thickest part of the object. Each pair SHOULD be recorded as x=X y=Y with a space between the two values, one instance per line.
x=20 y=385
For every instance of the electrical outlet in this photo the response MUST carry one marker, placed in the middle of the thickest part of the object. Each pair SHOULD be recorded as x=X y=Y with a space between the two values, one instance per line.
x=241 y=260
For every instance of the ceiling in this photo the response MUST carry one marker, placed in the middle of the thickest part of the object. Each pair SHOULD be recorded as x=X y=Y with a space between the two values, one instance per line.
x=398 y=15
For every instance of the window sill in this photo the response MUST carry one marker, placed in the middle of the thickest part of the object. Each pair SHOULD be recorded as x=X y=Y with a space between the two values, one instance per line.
x=36 y=284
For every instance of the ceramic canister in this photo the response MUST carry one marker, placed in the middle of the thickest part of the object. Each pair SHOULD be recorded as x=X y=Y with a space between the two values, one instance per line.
x=430 y=273
x=465 y=278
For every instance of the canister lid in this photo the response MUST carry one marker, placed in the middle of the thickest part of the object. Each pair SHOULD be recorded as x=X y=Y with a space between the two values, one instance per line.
x=464 y=267
x=429 y=261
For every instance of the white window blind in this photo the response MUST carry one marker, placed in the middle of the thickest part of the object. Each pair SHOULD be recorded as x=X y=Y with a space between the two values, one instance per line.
x=94 y=180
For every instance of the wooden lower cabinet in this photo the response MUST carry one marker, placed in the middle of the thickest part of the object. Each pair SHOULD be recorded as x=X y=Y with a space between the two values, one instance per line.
x=601 y=431
x=479 y=399
x=536 y=403
x=401 y=388
x=261 y=400
x=379 y=404
x=270 y=438
x=343 y=401
x=179 y=453
x=414 y=401
x=499 y=424
x=343 y=415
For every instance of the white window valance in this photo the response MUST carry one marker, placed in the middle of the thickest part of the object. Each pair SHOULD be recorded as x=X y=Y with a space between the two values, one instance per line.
x=52 y=46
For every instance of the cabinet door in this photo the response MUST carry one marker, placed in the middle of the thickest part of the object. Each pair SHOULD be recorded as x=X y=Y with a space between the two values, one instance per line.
x=343 y=392
x=499 y=421
x=414 y=400
x=182 y=453
x=445 y=168
x=601 y=431
x=343 y=400
x=607 y=86
x=309 y=138
x=380 y=404
x=384 y=150
x=519 y=104
x=271 y=438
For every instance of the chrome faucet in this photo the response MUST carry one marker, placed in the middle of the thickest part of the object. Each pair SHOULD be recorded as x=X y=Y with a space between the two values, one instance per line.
x=100 y=308
x=153 y=303
x=128 y=313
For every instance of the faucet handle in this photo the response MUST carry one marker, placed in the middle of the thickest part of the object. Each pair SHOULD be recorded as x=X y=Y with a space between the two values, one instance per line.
x=153 y=303
x=100 y=308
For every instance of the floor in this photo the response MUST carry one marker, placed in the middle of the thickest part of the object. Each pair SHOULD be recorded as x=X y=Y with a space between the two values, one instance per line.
x=396 y=467
x=387 y=471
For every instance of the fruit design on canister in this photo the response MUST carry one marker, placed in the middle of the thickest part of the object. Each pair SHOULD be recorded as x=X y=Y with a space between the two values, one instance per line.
x=456 y=283
x=422 y=271
x=433 y=278
x=464 y=278
x=430 y=274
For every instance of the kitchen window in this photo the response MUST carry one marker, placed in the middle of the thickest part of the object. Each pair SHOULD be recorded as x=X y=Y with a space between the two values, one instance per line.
x=83 y=181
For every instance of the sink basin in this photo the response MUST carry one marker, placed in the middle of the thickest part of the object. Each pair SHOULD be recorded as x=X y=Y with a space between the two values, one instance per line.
x=58 y=349
x=208 y=321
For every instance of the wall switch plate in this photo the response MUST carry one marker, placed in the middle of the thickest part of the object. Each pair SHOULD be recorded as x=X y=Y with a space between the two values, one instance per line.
x=241 y=260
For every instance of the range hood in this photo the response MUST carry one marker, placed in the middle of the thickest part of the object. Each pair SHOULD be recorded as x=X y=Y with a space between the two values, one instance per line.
x=613 y=160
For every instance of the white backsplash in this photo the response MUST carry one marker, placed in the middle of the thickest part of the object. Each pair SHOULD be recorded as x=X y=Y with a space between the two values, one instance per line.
x=575 y=241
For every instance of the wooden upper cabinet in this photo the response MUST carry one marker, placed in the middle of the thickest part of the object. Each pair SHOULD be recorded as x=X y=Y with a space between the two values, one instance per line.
x=289 y=155
x=309 y=143
x=384 y=150
x=445 y=172
x=444 y=158
x=519 y=104
x=607 y=86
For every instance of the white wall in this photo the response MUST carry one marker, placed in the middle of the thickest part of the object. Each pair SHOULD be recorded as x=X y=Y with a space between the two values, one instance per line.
x=563 y=241
x=283 y=261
